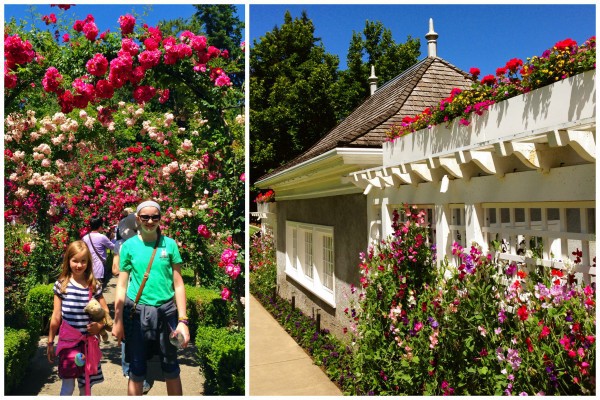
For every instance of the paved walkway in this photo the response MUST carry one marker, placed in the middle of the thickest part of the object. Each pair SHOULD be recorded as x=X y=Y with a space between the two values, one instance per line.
x=278 y=366
x=42 y=378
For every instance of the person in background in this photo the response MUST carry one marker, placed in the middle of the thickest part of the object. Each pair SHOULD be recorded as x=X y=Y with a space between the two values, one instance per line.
x=98 y=244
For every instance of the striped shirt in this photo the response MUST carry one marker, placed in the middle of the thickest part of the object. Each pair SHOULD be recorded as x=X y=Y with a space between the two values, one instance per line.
x=73 y=303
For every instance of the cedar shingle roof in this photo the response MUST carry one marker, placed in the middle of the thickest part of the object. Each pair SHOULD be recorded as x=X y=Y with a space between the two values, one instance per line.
x=421 y=86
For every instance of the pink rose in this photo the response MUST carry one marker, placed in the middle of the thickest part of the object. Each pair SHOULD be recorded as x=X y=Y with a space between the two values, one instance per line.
x=203 y=231
x=226 y=294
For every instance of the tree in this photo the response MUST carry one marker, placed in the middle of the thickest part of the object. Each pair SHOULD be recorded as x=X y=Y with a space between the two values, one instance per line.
x=389 y=58
x=291 y=82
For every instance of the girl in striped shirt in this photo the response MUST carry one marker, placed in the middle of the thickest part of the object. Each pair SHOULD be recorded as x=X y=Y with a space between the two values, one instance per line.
x=71 y=295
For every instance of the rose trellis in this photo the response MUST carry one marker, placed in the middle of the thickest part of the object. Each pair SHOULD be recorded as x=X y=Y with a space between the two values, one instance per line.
x=96 y=122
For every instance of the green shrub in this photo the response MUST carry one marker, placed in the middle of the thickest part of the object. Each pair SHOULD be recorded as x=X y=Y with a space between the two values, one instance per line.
x=17 y=351
x=39 y=305
x=221 y=355
x=205 y=308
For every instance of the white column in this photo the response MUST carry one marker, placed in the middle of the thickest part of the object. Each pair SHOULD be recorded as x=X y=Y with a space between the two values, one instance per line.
x=442 y=236
x=474 y=218
x=373 y=218
x=386 y=218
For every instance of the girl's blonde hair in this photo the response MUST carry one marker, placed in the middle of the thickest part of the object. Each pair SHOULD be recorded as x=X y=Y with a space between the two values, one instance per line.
x=73 y=249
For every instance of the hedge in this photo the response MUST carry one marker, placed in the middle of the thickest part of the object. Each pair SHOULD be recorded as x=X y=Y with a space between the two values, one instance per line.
x=18 y=350
x=39 y=305
x=205 y=308
x=221 y=355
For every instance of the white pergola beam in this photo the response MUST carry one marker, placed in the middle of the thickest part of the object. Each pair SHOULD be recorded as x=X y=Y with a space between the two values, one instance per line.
x=483 y=159
x=423 y=171
x=451 y=166
x=583 y=142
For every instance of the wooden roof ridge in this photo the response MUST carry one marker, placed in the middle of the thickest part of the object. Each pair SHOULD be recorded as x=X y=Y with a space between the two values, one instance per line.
x=371 y=113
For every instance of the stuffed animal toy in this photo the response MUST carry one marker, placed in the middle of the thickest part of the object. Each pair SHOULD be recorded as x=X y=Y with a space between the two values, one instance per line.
x=97 y=314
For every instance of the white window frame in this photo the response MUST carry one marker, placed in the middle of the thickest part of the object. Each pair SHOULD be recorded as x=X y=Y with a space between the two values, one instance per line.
x=311 y=275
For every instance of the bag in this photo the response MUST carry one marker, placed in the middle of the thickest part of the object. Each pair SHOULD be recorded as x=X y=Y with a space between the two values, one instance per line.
x=66 y=362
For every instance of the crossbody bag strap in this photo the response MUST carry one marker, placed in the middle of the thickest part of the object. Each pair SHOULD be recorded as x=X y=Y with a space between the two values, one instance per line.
x=94 y=247
x=139 y=293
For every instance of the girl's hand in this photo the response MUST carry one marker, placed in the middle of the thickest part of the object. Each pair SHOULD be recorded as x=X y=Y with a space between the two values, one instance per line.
x=185 y=331
x=94 y=328
x=51 y=353
x=118 y=331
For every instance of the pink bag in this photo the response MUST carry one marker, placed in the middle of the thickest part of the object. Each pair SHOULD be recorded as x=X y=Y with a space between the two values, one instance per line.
x=66 y=362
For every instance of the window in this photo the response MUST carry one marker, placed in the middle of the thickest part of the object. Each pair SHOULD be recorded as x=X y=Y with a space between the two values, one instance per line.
x=310 y=258
x=542 y=231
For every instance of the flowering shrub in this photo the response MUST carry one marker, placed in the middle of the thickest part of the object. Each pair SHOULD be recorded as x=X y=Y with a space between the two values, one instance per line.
x=263 y=265
x=101 y=121
x=563 y=60
x=480 y=328
x=266 y=197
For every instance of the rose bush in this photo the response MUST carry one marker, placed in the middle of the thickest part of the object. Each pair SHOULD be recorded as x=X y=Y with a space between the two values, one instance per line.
x=479 y=327
x=101 y=121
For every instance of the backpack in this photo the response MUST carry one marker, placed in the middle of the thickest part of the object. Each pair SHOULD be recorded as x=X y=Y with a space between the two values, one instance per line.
x=66 y=362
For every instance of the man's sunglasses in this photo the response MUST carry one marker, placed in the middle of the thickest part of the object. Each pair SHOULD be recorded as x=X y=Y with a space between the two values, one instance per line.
x=147 y=218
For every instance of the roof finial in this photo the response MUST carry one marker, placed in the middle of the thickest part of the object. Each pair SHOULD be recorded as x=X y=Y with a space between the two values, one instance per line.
x=431 y=40
x=372 y=80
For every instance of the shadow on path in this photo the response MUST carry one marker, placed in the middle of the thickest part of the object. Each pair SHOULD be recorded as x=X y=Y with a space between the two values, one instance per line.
x=42 y=378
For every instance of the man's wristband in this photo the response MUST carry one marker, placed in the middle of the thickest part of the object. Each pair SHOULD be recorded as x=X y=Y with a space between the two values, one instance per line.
x=183 y=321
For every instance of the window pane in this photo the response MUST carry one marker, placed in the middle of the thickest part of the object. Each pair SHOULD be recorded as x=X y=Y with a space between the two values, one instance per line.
x=519 y=215
x=505 y=215
x=308 y=254
x=591 y=218
x=573 y=220
x=456 y=220
x=328 y=262
x=294 y=247
x=491 y=216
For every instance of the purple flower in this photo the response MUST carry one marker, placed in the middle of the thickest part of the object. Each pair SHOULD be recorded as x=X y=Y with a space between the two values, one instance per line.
x=501 y=316
x=469 y=265
x=434 y=324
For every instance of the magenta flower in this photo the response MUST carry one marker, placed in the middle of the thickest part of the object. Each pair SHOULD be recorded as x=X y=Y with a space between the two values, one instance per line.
x=226 y=294
x=203 y=231
x=127 y=23
x=228 y=256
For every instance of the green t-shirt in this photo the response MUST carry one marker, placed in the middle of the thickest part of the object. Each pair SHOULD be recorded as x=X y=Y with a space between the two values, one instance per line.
x=135 y=255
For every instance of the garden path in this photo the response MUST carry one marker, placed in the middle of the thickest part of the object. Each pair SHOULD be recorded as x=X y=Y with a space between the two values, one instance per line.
x=278 y=365
x=42 y=378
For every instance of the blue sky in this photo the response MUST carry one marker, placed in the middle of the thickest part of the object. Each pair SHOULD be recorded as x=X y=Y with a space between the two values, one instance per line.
x=107 y=15
x=482 y=36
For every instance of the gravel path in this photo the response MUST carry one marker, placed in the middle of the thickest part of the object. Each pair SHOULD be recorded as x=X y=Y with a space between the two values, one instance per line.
x=42 y=378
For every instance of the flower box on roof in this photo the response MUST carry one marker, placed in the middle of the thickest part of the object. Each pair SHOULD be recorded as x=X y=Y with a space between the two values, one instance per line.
x=559 y=106
x=265 y=208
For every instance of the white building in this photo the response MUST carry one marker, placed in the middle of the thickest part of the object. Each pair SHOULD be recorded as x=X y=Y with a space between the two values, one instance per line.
x=523 y=174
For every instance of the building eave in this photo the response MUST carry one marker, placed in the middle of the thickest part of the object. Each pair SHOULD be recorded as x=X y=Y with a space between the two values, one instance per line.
x=322 y=175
